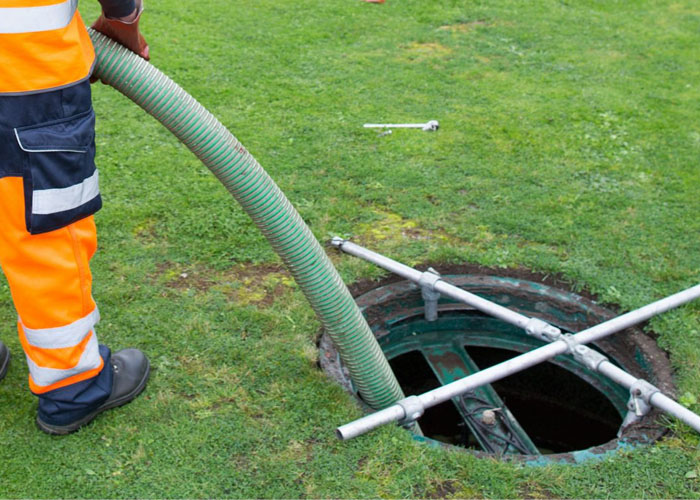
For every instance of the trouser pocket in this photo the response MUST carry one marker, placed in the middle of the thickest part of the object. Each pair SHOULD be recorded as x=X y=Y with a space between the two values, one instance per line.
x=60 y=178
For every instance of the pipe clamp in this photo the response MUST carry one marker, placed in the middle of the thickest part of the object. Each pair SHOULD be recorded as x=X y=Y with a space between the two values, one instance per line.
x=413 y=409
x=584 y=354
x=337 y=242
x=643 y=390
x=430 y=296
x=542 y=330
x=428 y=280
x=639 y=403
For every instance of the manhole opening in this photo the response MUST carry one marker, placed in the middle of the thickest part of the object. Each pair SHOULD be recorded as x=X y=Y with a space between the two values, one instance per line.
x=559 y=409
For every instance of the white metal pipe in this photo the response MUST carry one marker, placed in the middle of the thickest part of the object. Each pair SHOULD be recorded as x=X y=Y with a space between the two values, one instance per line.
x=394 y=125
x=446 y=289
x=668 y=405
x=431 y=125
x=369 y=422
x=617 y=375
x=638 y=315
x=483 y=305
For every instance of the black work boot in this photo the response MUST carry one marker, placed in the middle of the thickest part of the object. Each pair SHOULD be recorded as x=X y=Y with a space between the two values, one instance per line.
x=4 y=359
x=130 y=373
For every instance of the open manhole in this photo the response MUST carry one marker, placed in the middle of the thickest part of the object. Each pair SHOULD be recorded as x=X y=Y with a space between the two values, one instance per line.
x=559 y=411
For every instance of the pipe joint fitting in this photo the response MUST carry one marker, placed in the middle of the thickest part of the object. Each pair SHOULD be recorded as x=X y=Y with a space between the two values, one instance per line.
x=643 y=390
x=428 y=293
x=413 y=409
x=542 y=330
x=337 y=242
x=639 y=403
x=428 y=279
x=583 y=354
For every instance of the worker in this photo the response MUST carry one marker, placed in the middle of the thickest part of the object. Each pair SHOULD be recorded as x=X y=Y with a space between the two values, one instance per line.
x=48 y=195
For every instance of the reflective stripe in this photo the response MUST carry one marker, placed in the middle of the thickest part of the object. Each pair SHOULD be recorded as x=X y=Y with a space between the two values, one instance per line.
x=90 y=360
x=33 y=19
x=51 y=201
x=62 y=336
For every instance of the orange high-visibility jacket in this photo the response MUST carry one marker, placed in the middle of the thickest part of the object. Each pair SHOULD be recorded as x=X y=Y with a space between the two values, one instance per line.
x=43 y=45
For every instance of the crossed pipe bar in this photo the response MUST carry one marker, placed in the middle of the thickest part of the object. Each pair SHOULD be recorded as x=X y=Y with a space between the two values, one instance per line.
x=643 y=394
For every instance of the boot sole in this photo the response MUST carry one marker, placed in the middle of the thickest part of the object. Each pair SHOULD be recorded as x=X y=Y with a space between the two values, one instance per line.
x=62 y=430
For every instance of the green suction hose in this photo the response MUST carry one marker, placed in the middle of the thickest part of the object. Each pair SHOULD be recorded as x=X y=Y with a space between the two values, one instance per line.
x=260 y=197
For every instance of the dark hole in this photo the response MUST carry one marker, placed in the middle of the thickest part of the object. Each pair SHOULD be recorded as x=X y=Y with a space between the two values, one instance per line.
x=559 y=411
x=442 y=422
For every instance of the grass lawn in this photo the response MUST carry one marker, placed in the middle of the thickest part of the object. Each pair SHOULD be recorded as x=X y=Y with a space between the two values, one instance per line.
x=569 y=144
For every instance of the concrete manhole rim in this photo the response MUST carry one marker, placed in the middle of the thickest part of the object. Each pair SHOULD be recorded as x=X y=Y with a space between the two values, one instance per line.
x=373 y=297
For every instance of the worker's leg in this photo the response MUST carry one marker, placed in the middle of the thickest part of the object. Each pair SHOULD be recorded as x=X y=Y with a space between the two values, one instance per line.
x=48 y=193
x=50 y=281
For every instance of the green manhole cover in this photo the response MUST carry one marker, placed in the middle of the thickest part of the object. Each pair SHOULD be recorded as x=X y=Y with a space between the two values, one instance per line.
x=558 y=411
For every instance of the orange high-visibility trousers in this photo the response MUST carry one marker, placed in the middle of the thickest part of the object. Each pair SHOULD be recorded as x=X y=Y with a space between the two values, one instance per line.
x=50 y=282
x=49 y=189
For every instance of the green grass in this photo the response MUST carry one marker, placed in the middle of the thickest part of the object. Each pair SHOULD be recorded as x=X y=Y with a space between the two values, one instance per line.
x=569 y=144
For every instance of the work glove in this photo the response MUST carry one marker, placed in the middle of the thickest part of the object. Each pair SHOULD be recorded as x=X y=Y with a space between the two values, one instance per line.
x=125 y=32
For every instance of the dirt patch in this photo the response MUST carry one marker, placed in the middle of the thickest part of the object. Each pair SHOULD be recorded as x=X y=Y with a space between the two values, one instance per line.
x=222 y=402
x=464 y=27
x=533 y=490
x=443 y=489
x=183 y=278
x=244 y=283
x=146 y=232
x=393 y=227
x=421 y=51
